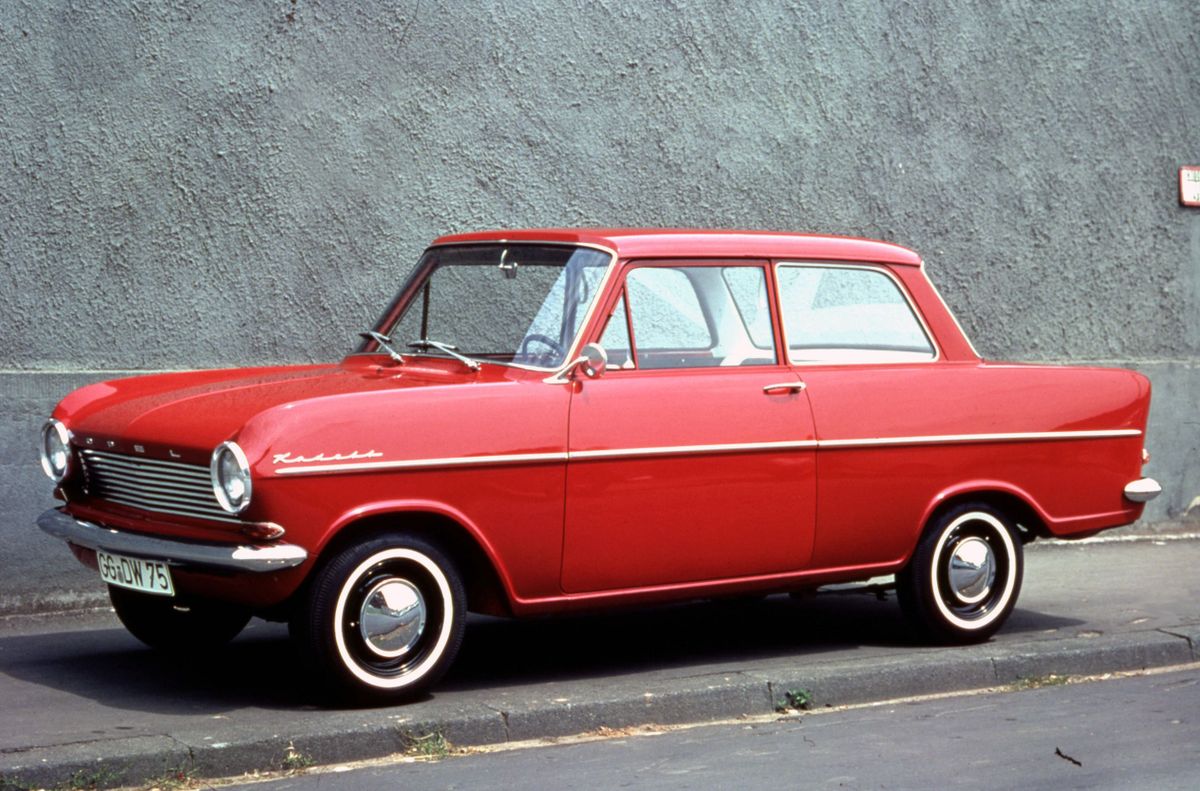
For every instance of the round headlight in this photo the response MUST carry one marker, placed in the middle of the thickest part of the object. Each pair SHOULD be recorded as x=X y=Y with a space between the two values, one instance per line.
x=56 y=450
x=230 y=477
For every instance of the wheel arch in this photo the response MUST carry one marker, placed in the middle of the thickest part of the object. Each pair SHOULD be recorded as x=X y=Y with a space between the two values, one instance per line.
x=487 y=584
x=1019 y=505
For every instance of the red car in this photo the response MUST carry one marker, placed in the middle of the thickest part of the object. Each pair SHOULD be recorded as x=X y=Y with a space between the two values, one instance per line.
x=554 y=420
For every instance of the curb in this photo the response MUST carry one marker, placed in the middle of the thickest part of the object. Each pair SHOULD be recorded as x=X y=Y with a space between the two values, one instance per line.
x=376 y=733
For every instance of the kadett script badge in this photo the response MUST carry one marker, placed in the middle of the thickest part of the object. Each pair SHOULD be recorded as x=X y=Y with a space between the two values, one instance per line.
x=289 y=458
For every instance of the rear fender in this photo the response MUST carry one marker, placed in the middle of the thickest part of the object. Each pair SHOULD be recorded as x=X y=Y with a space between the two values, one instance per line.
x=982 y=488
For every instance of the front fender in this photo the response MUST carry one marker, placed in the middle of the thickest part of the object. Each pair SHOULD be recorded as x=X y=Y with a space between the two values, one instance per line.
x=410 y=506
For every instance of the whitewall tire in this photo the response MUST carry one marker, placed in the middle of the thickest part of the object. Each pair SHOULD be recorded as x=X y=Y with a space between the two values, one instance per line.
x=964 y=577
x=384 y=618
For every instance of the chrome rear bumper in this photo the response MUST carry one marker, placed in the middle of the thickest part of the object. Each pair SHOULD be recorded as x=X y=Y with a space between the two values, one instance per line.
x=1143 y=490
x=228 y=557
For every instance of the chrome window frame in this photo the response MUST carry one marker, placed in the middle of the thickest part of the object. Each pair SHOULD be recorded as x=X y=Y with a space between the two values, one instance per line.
x=871 y=267
x=576 y=344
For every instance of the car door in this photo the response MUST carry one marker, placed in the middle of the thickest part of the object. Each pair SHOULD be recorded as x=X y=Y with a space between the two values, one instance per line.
x=854 y=335
x=692 y=457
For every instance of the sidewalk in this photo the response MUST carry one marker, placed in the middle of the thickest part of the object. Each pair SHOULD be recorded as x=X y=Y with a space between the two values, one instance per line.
x=83 y=700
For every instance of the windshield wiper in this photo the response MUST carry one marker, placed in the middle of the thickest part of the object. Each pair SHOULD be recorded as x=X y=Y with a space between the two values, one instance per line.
x=384 y=342
x=425 y=344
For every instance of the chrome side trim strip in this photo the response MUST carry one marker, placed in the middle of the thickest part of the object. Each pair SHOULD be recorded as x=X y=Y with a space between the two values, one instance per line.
x=260 y=558
x=734 y=447
x=678 y=450
x=452 y=461
x=953 y=439
x=535 y=458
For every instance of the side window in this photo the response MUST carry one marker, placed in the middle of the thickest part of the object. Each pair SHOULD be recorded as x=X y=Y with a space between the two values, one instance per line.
x=666 y=311
x=695 y=316
x=848 y=315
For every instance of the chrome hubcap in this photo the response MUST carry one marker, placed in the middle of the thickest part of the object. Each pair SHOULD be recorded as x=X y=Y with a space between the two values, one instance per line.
x=972 y=570
x=392 y=618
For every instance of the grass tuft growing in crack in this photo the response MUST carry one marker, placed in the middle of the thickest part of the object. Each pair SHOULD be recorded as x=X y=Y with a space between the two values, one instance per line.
x=798 y=699
x=432 y=746
x=295 y=760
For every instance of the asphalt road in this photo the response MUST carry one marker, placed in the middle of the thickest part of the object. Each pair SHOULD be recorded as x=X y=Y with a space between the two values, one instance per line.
x=1128 y=733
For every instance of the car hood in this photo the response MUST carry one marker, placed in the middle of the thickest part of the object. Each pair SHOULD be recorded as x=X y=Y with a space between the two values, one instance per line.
x=188 y=413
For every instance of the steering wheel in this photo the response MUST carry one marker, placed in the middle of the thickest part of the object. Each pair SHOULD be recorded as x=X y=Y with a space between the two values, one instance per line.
x=545 y=340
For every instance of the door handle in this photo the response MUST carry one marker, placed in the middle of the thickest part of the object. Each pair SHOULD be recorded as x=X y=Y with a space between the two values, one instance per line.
x=784 y=387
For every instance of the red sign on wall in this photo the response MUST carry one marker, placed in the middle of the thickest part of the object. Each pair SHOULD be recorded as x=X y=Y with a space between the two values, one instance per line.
x=1189 y=185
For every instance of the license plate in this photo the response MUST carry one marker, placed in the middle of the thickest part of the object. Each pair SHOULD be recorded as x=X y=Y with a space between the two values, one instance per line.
x=147 y=576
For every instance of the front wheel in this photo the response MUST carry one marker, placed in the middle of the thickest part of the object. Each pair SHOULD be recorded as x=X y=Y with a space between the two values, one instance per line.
x=963 y=579
x=384 y=618
x=171 y=625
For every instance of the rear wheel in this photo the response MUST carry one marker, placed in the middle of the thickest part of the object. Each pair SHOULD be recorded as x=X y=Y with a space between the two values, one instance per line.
x=171 y=624
x=384 y=618
x=963 y=579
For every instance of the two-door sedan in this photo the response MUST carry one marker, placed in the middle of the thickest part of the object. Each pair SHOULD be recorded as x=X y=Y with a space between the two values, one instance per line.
x=553 y=420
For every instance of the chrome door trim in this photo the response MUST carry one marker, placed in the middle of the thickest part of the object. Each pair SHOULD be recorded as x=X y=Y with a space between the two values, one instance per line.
x=731 y=447
x=951 y=439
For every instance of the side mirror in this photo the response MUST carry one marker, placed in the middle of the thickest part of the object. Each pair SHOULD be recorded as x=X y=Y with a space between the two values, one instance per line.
x=593 y=360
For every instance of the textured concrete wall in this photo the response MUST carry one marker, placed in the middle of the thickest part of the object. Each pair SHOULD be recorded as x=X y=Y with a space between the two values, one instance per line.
x=205 y=184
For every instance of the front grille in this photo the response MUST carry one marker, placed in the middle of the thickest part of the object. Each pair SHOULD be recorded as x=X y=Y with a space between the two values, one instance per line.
x=166 y=487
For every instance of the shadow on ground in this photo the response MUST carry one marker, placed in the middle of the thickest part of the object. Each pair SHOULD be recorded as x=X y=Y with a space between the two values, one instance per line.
x=259 y=669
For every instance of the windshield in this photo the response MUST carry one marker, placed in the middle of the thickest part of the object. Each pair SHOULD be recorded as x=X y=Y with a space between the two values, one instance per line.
x=520 y=304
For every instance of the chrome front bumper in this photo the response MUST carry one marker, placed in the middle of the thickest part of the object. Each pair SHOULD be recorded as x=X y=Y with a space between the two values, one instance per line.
x=1143 y=490
x=226 y=557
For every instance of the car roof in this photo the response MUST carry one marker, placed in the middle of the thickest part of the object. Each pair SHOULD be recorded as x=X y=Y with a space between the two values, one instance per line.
x=691 y=243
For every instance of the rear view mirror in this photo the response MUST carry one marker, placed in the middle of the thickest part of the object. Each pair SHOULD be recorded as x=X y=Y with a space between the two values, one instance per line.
x=593 y=360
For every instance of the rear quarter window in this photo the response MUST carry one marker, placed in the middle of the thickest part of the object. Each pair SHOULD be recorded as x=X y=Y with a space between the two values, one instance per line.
x=838 y=314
